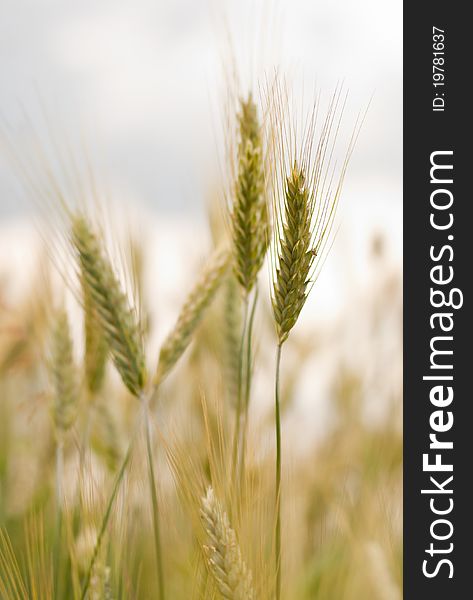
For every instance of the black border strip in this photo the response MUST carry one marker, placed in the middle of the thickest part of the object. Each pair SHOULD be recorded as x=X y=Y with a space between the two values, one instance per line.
x=426 y=131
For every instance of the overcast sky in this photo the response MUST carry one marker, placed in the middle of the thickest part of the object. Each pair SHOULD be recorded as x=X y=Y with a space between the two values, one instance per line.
x=142 y=78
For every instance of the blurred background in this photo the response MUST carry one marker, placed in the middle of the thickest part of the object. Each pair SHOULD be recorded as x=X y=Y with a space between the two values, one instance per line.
x=143 y=79
x=142 y=84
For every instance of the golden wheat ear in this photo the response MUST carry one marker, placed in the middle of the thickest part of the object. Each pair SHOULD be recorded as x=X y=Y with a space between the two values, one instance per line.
x=192 y=313
x=64 y=375
x=118 y=321
x=224 y=560
x=249 y=212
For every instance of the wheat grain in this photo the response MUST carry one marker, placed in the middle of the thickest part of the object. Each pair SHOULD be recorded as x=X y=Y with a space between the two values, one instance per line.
x=118 y=321
x=225 y=563
x=191 y=313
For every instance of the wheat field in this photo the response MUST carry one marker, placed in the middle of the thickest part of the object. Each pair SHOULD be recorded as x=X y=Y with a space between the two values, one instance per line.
x=126 y=474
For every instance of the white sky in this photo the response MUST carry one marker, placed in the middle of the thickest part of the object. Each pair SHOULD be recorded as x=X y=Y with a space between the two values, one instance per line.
x=142 y=81
x=141 y=78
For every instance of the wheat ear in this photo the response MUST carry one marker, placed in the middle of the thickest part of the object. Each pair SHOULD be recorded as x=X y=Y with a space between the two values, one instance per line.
x=66 y=395
x=118 y=321
x=296 y=254
x=223 y=554
x=231 y=325
x=307 y=187
x=290 y=280
x=96 y=350
x=305 y=201
x=249 y=215
x=64 y=375
x=250 y=233
x=191 y=313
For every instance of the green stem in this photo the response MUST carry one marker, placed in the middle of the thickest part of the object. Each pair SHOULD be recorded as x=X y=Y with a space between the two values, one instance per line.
x=249 y=372
x=236 y=435
x=107 y=514
x=154 y=500
x=278 y=475
x=90 y=407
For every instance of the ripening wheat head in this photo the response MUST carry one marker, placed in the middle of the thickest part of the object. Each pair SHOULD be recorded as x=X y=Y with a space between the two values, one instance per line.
x=306 y=193
x=249 y=213
x=64 y=375
x=192 y=313
x=223 y=553
x=118 y=321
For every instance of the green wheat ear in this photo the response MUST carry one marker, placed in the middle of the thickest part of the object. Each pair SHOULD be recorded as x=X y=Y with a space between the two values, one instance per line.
x=296 y=255
x=117 y=319
x=249 y=215
x=192 y=313
x=96 y=349
x=64 y=375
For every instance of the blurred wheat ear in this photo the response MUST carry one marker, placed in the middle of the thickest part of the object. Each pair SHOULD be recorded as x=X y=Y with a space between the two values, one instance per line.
x=249 y=213
x=231 y=327
x=192 y=313
x=96 y=349
x=117 y=319
x=64 y=375
x=224 y=559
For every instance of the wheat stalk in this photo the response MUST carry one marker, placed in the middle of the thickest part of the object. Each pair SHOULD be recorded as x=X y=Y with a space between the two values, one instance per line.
x=192 y=313
x=118 y=321
x=223 y=554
